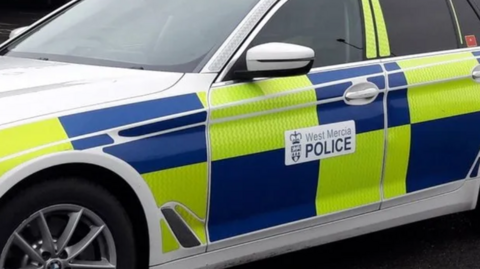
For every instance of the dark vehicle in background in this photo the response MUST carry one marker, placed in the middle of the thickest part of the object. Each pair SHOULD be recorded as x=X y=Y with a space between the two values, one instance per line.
x=37 y=4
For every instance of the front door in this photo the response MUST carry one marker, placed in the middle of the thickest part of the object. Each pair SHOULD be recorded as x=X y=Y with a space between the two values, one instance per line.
x=300 y=150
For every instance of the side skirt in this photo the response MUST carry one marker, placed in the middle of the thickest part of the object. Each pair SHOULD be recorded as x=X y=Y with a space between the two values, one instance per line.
x=463 y=199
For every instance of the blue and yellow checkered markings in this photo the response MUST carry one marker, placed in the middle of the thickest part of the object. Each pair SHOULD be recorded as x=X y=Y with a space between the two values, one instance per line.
x=165 y=125
x=373 y=73
x=432 y=136
x=108 y=118
x=175 y=149
x=275 y=196
x=442 y=151
x=92 y=142
x=367 y=118
x=337 y=75
x=65 y=130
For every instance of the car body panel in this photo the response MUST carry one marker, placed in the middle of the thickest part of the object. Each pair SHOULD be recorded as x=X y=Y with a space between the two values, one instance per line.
x=462 y=199
x=110 y=130
x=213 y=154
x=427 y=126
x=247 y=127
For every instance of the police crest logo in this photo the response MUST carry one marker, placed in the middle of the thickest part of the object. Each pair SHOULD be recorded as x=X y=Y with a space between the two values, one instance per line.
x=296 y=147
x=320 y=142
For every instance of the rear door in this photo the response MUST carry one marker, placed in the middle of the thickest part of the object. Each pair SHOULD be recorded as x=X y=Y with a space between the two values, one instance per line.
x=289 y=153
x=433 y=137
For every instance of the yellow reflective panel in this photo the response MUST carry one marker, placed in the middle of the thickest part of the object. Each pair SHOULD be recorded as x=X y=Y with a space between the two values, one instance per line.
x=244 y=136
x=396 y=166
x=369 y=30
x=258 y=134
x=187 y=185
x=169 y=243
x=9 y=164
x=196 y=225
x=442 y=100
x=383 y=41
x=257 y=97
x=29 y=136
x=203 y=98
x=341 y=189
x=436 y=68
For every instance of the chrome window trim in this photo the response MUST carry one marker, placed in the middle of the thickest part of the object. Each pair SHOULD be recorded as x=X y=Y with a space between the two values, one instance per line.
x=236 y=38
x=429 y=54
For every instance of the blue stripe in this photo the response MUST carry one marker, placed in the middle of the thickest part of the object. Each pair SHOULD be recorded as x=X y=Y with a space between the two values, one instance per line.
x=392 y=67
x=397 y=80
x=333 y=91
x=163 y=151
x=367 y=117
x=398 y=111
x=477 y=54
x=92 y=142
x=329 y=76
x=165 y=125
x=476 y=168
x=103 y=119
x=442 y=151
x=379 y=81
x=255 y=192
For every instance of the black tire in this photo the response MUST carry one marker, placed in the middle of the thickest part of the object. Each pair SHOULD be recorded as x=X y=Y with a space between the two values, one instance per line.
x=78 y=192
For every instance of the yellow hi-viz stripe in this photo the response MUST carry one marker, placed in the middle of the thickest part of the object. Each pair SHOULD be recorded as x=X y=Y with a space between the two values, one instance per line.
x=371 y=41
x=383 y=42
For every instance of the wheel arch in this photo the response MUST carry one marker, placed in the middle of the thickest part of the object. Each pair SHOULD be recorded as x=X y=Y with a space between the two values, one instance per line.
x=110 y=169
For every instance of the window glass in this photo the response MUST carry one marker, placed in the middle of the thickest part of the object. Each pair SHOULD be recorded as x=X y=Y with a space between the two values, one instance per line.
x=475 y=4
x=165 y=35
x=419 y=26
x=468 y=21
x=333 y=29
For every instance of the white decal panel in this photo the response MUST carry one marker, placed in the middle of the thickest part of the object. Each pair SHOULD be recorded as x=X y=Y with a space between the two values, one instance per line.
x=319 y=142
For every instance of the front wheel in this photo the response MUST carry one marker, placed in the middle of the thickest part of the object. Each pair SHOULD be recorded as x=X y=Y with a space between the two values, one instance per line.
x=65 y=223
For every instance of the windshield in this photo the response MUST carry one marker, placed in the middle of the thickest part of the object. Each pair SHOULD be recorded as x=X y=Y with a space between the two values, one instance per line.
x=164 y=35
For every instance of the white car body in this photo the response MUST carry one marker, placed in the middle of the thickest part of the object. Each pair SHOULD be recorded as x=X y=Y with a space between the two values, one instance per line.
x=32 y=91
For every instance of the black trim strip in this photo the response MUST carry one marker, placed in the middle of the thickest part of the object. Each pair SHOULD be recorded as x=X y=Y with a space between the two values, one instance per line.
x=286 y=60
x=183 y=234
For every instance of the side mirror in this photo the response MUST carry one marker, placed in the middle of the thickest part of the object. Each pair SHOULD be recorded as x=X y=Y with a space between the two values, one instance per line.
x=277 y=60
x=17 y=31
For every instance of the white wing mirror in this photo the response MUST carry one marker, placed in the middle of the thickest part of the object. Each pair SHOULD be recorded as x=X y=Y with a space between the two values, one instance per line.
x=277 y=60
x=17 y=31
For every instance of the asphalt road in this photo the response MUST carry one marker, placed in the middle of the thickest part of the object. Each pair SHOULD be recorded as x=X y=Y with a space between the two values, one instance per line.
x=449 y=242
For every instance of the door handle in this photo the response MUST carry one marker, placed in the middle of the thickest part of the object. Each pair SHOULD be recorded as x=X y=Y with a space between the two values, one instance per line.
x=361 y=94
x=476 y=76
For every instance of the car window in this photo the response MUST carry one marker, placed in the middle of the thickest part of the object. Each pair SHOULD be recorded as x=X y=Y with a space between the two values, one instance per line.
x=419 y=26
x=166 y=35
x=469 y=23
x=333 y=29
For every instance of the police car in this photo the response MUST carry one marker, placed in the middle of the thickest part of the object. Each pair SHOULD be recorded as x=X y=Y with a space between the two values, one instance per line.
x=209 y=133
